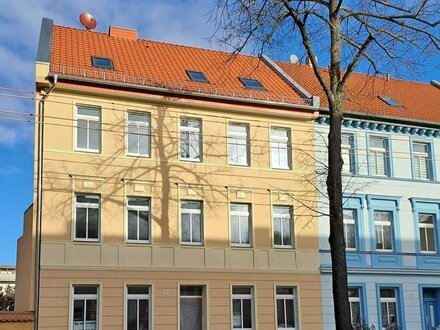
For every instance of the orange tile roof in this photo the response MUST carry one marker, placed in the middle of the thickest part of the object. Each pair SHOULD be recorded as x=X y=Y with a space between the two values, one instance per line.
x=421 y=101
x=154 y=61
x=16 y=316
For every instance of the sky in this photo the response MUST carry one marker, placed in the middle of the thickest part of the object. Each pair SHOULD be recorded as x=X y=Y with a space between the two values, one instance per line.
x=176 y=21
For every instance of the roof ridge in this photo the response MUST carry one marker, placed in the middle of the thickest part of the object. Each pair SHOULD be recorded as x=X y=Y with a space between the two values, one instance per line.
x=164 y=43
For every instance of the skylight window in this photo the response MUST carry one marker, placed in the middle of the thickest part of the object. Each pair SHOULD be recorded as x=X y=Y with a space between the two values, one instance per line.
x=251 y=83
x=390 y=101
x=197 y=76
x=101 y=62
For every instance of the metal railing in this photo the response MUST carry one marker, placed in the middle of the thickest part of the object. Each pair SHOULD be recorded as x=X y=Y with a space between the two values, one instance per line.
x=184 y=86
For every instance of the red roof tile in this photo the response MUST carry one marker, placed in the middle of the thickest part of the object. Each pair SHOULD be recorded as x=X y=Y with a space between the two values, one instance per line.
x=16 y=316
x=157 y=62
x=420 y=101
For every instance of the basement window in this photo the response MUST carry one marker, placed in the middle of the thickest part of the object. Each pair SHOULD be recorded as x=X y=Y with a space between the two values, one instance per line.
x=197 y=76
x=390 y=101
x=103 y=63
x=251 y=83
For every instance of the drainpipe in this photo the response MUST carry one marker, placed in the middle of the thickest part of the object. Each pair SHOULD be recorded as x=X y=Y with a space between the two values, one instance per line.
x=40 y=198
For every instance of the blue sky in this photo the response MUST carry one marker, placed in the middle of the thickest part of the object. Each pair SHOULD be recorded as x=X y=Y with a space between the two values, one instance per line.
x=176 y=21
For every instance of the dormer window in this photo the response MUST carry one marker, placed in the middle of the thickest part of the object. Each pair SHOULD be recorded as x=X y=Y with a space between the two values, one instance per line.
x=197 y=76
x=251 y=83
x=390 y=101
x=103 y=63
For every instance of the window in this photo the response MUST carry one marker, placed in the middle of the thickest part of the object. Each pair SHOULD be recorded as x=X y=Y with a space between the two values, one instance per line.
x=138 y=219
x=251 y=83
x=85 y=307
x=138 y=134
x=390 y=101
x=282 y=226
x=190 y=139
x=279 y=147
x=238 y=142
x=350 y=229
x=101 y=62
x=197 y=76
x=87 y=217
x=383 y=230
x=240 y=224
x=378 y=155
x=388 y=308
x=88 y=129
x=242 y=308
x=191 y=308
x=354 y=298
x=286 y=308
x=191 y=218
x=347 y=153
x=421 y=161
x=138 y=307
x=427 y=232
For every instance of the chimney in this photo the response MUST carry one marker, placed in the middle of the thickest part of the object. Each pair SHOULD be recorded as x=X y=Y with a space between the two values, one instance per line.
x=435 y=83
x=119 y=32
x=388 y=76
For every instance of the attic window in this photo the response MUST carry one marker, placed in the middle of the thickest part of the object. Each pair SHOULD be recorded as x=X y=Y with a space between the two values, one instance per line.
x=101 y=62
x=390 y=101
x=197 y=76
x=251 y=83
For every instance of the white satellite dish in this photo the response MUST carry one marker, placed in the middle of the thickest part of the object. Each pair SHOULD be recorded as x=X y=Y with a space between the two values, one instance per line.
x=294 y=59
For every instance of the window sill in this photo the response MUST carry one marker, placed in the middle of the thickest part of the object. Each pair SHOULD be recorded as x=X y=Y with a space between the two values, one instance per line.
x=89 y=151
x=86 y=240
x=283 y=247
x=235 y=245
x=191 y=244
x=138 y=242
x=190 y=160
x=138 y=155
x=238 y=164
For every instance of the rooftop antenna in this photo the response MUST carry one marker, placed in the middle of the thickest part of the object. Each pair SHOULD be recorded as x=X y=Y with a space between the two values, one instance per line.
x=88 y=21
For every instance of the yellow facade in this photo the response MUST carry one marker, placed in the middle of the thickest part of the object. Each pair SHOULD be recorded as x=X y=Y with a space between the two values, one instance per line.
x=165 y=262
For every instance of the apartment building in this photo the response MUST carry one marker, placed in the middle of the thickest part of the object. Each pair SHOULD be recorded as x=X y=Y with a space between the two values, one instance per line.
x=172 y=189
x=390 y=143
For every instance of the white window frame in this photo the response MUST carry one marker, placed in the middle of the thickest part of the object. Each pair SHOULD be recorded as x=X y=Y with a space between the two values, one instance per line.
x=139 y=124
x=421 y=162
x=241 y=214
x=355 y=299
x=347 y=153
x=202 y=297
x=198 y=211
x=375 y=153
x=283 y=217
x=284 y=297
x=427 y=227
x=88 y=119
x=382 y=224
x=87 y=206
x=191 y=132
x=137 y=297
x=237 y=136
x=84 y=297
x=388 y=301
x=138 y=208
x=352 y=222
x=242 y=297
x=282 y=145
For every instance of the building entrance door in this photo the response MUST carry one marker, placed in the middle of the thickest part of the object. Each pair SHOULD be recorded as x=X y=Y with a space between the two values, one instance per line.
x=431 y=314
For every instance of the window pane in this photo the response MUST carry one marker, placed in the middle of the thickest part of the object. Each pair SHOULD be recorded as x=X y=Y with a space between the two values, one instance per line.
x=93 y=223
x=132 y=224
x=81 y=134
x=235 y=234
x=281 y=319
x=88 y=112
x=350 y=236
x=85 y=290
x=138 y=201
x=94 y=135
x=138 y=289
x=277 y=231
x=143 y=226
x=196 y=228
x=244 y=224
x=132 y=314
x=143 y=314
x=132 y=139
x=81 y=217
x=241 y=290
x=387 y=293
x=355 y=313
x=144 y=140
x=186 y=227
x=189 y=290
x=290 y=316
x=387 y=237
x=236 y=313
x=430 y=240
x=286 y=232
x=190 y=314
x=78 y=312
x=239 y=208
x=91 y=310
x=247 y=313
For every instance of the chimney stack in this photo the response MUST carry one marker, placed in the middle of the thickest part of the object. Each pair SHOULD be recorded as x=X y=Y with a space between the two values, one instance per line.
x=119 y=32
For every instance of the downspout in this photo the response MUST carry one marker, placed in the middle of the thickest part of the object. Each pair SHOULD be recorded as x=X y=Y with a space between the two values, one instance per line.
x=40 y=198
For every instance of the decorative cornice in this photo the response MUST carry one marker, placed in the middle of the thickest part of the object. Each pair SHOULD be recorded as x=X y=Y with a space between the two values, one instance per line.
x=381 y=127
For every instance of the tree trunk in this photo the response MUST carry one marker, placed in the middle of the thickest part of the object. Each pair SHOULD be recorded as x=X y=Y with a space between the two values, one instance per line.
x=336 y=238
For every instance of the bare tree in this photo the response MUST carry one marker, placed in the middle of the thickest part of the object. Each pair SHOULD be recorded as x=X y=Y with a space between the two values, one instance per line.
x=374 y=34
